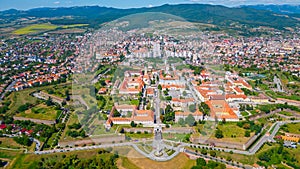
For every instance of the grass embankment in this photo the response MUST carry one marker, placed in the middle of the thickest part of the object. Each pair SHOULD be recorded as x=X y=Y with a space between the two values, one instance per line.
x=24 y=161
x=24 y=96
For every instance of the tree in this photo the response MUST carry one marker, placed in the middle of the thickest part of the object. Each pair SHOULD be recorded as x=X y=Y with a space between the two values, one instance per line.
x=190 y=120
x=159 y=87
x=213 y=153
x=169 y=98
x=228 y=158
x=132 y=124
x=116 y=113
x=205 y=108
x=223 y=121
x=23 y=107
x=204 y=152
x=212 y=164
x=201 y=162
x=49 y=101
x=24 y=140
x=67 y=95
x=192 y=108
x=169 y=114
x=219 y=134
x=181 y=122
x=247 y=133
x=280 y=149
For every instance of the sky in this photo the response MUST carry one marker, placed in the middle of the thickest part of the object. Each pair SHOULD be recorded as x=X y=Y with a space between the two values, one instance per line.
x=28 y=4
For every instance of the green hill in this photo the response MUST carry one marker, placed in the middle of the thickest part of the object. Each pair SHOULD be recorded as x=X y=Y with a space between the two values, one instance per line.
x=214 y=14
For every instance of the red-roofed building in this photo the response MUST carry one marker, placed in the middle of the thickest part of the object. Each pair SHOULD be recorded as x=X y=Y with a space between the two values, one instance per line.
x=221 y=110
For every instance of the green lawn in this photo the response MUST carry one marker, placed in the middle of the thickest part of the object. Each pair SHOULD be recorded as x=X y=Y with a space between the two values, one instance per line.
x=286 y=113
x=245 y=113
x=41 y=111
x=233 y=133
x=139 y=136
x=291 y=128
x=174 y=136
x=135 y=102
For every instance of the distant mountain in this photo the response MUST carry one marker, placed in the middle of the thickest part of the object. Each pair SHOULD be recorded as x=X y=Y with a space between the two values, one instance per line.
x=214 y=14
x=281 y=9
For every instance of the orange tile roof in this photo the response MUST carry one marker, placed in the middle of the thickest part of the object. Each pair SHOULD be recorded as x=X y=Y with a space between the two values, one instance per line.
x=220 y=109
x=172 y=86
x=197 y=113
x=236 y=96
x=183 y=100
x=150 y=91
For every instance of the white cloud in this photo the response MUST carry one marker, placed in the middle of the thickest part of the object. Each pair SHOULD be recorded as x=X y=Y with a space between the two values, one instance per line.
x=56 y=2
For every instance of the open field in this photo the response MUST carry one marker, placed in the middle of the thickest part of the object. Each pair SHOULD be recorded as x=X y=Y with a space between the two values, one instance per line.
x=9 y=154
x=9 y=143
x=74 y=26
x=34 y=29
x=135 y=161
x=291 y=128
x=233 y=133
x=41 y=111
x=67 y=31
x=37 y=28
